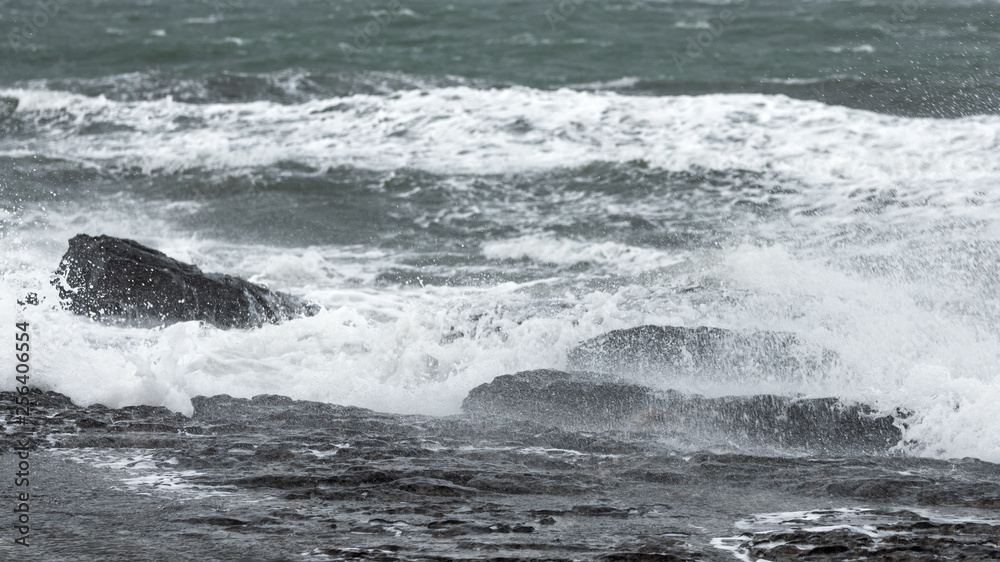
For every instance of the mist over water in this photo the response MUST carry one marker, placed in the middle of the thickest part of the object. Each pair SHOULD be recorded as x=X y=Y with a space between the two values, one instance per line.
x=462 y=221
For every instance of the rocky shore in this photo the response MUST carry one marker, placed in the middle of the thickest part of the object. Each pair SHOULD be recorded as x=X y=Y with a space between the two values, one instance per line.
x=271 y=479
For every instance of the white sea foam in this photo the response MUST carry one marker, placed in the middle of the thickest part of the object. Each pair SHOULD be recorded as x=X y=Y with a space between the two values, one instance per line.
x=421 y=350
x=461 y=129
x=141 y=471
x=607 y=255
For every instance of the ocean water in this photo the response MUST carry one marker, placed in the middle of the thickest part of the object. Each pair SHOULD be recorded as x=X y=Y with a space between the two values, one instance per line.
x=473 y=188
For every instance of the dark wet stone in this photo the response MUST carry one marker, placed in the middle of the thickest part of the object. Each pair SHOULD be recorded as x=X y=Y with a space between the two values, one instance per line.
x=358 y=476
x=461 y=529
x=274 y=453
x=590 y=401
x=920 y=540
x=377 y=554
x=225 y=408
x=702 y=352
x=981 y=495
x=983 y=503
x=136 y=412
x=149 y=427
x=30 y=299
x=121 y=281
x=547 y=395
x=445 y=524
x=504 y=483
x=278 y=481
x=819 y=424
x=599 y=511
x=643 y=557
x=271 y=400
x=662 y=477
x=219 y=521
x=432 y=487
x=48 y=399
x=876 y=488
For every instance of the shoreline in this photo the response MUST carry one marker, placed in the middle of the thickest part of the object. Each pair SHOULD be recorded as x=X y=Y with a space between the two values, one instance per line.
x=271 y=478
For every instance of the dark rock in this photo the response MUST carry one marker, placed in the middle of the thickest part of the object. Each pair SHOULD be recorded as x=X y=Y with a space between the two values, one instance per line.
x=502 y=483
x=922 y=540
x=277 y=481
x=220 y=521
x=984 y=503
x=556 y=397
x=876 y=488
x=274 y=453
x=589 y=401
x=702 y=352
x=642 y=557
x=817 y=424
x=599 y=511
x=432 y=487
x=30 y=298
x=363 y=476
x=88 y=423
x=121 y=281
x=434 y=525
x=149 y=427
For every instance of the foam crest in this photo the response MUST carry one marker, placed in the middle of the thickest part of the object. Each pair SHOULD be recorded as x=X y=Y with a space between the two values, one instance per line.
x=609 y=256
x=399 y=353
x=466 y=130
x=897 y=351
x=408 y=350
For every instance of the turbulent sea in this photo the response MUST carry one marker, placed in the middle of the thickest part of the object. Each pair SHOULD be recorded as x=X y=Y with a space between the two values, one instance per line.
x=470 y=189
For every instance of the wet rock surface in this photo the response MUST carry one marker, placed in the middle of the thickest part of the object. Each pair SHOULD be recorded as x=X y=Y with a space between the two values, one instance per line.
x=591 y=401
x=869 y=534
x=701 y=352
x=121 y=281
x=271 y=478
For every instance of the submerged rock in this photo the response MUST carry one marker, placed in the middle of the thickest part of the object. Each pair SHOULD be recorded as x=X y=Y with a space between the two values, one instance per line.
x=121 y=281
x=589 y=401
x=706 y=353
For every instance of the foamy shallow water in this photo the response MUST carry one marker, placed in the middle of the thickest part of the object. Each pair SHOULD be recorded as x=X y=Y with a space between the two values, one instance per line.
x=143 y=471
